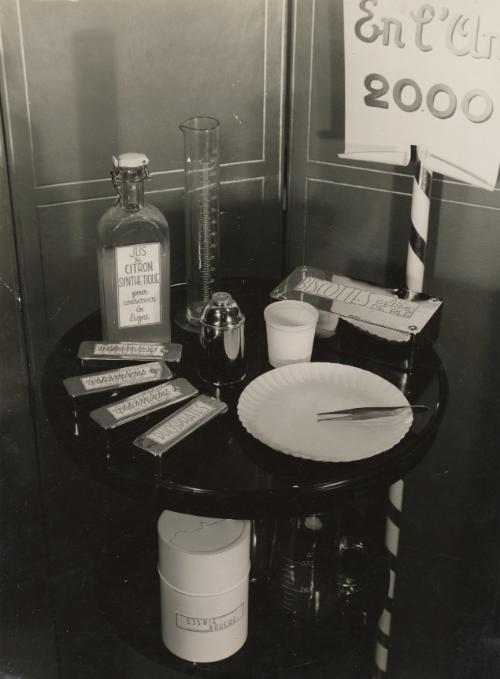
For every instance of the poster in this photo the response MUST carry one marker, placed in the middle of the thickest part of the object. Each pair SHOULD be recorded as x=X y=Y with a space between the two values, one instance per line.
x=424 y=74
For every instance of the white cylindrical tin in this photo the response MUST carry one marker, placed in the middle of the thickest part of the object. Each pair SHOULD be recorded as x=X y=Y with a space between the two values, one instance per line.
x=203 y=565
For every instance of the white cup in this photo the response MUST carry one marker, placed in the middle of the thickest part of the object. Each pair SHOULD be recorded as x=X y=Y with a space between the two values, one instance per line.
x=290 y=327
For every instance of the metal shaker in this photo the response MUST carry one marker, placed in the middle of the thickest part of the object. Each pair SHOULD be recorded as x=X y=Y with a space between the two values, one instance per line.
x=222 y=341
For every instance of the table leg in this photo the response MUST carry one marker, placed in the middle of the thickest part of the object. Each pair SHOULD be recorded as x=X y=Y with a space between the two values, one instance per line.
x=392 y=530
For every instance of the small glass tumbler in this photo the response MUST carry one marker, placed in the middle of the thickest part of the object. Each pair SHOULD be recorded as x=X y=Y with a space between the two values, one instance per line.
x=290 y=328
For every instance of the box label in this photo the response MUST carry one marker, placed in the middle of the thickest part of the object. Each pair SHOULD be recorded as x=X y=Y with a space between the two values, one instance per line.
x=209 y=624
x=147 y=399
x=366 y=303
x=124 y=350
x=124 y=377
x=187 y=419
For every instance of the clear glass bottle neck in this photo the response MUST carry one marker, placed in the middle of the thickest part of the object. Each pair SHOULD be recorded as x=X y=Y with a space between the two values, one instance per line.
x=130 y=190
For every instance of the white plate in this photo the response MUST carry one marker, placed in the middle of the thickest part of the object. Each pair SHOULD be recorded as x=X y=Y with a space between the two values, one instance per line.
x=279 y=409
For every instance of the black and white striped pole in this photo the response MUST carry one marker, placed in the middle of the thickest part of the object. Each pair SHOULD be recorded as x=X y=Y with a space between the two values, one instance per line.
x=392 y=528
x=415 y=269
x=419 y=227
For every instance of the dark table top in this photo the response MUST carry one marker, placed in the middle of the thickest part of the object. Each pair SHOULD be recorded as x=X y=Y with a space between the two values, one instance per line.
x=221 y=470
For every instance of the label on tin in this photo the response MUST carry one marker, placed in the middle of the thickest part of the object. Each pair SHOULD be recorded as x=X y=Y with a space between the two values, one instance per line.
x=360 y=301
x=180 y=424
x=117 y=379
x=130 y=351
x=138 y=284
x=143 y=403
x=210 y=624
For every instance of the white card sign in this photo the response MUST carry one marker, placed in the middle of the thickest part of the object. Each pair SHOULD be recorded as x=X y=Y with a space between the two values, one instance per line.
x=424 y=74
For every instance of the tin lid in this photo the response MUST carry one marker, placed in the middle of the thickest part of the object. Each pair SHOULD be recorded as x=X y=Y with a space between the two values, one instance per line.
x=222 y=311
x=202 y=555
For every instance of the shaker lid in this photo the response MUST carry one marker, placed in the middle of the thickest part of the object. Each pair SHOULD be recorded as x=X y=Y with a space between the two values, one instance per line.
x=130 y=161
x=200 y=534
x=202 y=555
x=222 y=311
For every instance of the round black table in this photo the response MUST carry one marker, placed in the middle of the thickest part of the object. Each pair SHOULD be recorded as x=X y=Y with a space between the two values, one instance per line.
x=221 y=470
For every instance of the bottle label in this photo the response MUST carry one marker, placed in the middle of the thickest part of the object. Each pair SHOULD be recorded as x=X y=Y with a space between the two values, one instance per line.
x=138 y=283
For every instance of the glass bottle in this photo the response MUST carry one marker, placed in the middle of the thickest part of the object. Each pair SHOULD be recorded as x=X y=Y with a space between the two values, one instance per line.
x=304 y=580
x=133 y=260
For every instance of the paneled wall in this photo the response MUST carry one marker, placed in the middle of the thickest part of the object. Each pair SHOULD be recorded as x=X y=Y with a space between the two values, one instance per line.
x=84 y=80
x=19 y=490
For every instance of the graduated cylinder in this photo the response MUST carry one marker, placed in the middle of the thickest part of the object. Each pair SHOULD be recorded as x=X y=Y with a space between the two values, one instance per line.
x=201 y=183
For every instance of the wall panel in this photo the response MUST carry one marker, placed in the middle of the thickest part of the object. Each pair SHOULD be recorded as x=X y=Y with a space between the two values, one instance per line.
x=84 y=80
x=22 y=552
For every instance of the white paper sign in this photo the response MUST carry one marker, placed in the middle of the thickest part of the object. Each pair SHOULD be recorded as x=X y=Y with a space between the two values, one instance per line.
x=424 y=74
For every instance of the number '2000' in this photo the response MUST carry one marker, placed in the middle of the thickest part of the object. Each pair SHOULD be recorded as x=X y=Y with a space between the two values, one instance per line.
x=378 y=86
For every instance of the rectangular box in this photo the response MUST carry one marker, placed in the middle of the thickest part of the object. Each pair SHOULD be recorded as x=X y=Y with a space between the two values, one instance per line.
x=95 y=352
x=143 y=403
x=121 y=378
x=395 y=326
x=180 y=424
